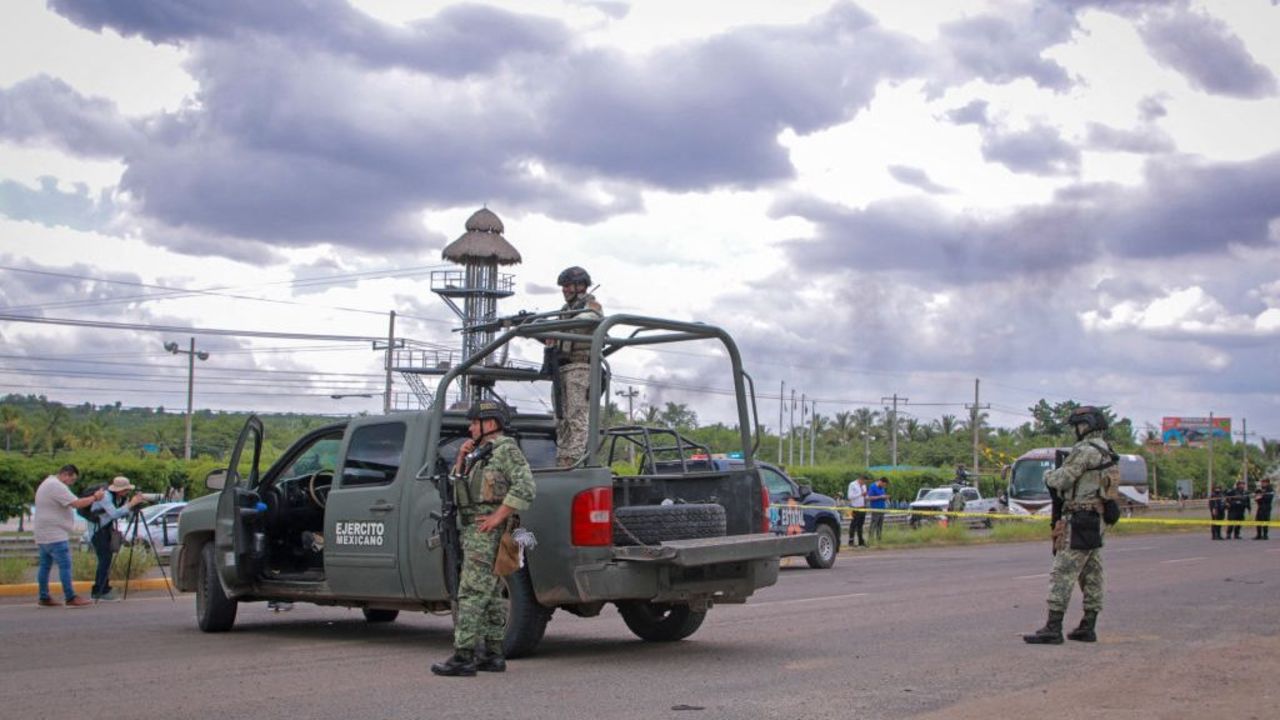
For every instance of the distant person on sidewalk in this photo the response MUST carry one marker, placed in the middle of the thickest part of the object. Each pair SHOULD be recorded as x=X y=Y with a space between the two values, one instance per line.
x=857 y=495
x=53 y=522
x=877 y=497
x=1264 y=497
x=105 y=537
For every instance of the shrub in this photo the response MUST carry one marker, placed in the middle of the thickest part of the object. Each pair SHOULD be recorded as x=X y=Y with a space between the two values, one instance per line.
x=143 y=561
x=14 y=569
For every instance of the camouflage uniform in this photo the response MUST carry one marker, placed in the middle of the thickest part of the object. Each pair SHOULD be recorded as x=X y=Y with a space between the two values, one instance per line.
x=1080 y=487
x=575 y=387
x=503 y=478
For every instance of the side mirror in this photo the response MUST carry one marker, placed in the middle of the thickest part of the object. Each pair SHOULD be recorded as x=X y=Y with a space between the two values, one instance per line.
x=805 y=491
x=1004 y=472
x=216 y=480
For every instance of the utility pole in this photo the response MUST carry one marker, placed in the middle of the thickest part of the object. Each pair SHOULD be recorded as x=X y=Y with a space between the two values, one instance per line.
x=782 y=397
x=791 y=430
x=893 y=427
x=813 y=432
x=804 y=432
x=973 y=422
x=1210 y=453
x=192 y=355
x=391 y=343
x=630 y=395
x=866 y=449
x=1244 y=450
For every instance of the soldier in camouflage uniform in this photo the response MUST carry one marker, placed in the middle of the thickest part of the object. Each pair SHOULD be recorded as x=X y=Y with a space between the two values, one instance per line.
x=575 y=368
x=1080 y=483
x=493 y=483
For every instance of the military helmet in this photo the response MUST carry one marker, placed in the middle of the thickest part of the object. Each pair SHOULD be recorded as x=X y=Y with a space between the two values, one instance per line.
x=490 y=408
x=573 y=276
x=1090 y=416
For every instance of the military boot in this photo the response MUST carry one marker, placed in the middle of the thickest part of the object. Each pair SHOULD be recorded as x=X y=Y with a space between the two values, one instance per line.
x=1050 y=634
x=490 y=661
x=1084 y=631
x=458 y=665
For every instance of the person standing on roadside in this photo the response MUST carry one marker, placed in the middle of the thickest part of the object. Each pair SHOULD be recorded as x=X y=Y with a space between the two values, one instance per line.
x=1264 y=497
x=1215 y=513
x=53 y=523
x=1237 y=507
x=857 y=495
x=105 y=536
x=877 y=497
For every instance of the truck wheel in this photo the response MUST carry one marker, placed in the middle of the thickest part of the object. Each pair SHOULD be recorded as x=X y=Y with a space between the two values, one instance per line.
x=215 y=612
x=825 y=555
x=660 y=622
x=652 y=524
x=379 y=615
x=526 y=617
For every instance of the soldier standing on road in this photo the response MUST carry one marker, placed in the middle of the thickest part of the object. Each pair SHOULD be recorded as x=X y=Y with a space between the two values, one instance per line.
x=1264 y=497
x=1215 y=513
x=1237 y=507
x=575 y=368
x=495 y=484
x=1080 y=485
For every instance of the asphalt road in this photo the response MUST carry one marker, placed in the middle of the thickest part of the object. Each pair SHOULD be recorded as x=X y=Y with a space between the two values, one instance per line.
x=1189 y=628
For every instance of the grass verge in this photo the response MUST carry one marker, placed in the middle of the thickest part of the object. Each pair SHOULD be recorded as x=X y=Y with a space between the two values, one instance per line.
x=14 y=570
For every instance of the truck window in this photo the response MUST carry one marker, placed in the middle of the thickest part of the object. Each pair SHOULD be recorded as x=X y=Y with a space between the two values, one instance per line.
x=776 y=483
x=322 y=455
x=373 y=457
x=969 y=494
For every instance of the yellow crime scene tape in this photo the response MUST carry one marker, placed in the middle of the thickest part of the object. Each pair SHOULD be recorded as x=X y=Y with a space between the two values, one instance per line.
x=847 y=511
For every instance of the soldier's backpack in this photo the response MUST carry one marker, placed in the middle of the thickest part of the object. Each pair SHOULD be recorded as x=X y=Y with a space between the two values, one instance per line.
x=1109 y=483
x=87 y=512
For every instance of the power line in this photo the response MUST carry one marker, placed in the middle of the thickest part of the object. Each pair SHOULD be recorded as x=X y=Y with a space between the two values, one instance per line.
x=102 y=324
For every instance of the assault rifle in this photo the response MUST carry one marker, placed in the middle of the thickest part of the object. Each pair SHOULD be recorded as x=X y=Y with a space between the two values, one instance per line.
x=551 y=358
x=447 y=536
x=1057 y=521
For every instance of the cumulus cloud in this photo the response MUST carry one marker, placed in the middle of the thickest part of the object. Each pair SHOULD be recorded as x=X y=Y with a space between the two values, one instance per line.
x=1205 y=51
x=917 y=178
x=1038 y=150
x=1187 y=312
x=1144 y=141
x=1001 y=48
x=45 y=110
x=51 y=206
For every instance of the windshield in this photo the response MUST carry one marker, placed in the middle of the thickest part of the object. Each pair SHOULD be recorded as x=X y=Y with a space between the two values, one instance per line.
x=1028 y=479
x=938 y=494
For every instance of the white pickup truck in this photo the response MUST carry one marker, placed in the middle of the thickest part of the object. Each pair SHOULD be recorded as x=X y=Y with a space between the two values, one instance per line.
x=938 y=499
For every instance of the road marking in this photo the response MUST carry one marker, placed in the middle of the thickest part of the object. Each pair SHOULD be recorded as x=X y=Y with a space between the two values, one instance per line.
x=1032 y=577
x=1137 y=549
x=1190 y=559
x=805 y=600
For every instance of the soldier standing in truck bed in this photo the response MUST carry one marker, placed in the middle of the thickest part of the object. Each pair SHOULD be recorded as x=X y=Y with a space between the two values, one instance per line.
x=575 y=368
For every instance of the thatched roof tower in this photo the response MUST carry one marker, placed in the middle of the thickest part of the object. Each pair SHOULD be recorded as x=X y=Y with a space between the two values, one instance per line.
x=482 y=242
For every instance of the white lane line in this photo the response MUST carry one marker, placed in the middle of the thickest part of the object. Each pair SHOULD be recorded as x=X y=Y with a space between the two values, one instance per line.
x=805 y=600
x=1137 y=549
x=1032 y=577
x=1179 y=560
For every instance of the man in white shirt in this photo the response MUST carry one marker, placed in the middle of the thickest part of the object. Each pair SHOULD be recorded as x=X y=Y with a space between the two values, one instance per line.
x=53 y=522
x=857 y=500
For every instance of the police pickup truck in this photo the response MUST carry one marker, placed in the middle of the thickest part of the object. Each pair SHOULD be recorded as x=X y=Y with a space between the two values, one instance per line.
x=938 y=500
x=352 y=514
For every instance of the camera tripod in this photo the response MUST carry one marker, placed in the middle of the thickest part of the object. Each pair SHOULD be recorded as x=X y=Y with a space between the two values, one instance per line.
x=136 y=519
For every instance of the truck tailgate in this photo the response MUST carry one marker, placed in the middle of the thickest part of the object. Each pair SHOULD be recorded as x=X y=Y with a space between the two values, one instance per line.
x=714 y=550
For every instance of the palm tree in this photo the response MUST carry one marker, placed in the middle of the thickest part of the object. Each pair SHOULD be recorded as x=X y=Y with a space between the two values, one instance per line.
x=946 y=424
x=844 y=428
x=10 y=422
x=864 y=419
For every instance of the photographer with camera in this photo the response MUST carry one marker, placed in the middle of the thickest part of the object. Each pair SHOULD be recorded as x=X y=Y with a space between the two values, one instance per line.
x=105 y=537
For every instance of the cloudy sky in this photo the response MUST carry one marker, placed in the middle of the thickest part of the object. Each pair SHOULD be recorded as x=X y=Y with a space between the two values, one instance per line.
x=1067 y=200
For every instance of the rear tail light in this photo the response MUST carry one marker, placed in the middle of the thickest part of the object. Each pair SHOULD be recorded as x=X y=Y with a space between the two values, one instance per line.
x=591 y=521
x=764 y=508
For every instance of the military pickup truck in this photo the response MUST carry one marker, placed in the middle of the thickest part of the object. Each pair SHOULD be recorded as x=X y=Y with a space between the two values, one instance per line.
x=351 y=514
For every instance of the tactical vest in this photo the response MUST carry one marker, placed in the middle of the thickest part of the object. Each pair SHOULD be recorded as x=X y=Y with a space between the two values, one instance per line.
x=578 y=352
x=484 y=487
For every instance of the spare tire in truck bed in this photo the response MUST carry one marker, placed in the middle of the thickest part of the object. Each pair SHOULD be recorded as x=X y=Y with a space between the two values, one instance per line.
x=651 y=524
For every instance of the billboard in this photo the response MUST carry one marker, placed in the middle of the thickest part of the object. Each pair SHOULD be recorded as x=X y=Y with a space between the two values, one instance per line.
x=1193 y=431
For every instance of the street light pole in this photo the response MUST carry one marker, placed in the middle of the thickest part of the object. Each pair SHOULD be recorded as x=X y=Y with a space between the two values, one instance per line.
x=192 y=355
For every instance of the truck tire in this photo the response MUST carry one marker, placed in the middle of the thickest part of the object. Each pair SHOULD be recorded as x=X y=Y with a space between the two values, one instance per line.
x=380 y=615
x=215 y=612
x=824 y=556
x=526 y=617
x=660 y=622
x=652 y=524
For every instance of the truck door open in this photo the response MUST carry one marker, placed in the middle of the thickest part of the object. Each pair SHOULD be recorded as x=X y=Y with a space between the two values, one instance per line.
x=362 y=516
x=238 y=510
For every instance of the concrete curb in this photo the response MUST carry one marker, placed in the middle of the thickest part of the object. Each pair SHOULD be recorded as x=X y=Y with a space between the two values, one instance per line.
x=82 y=586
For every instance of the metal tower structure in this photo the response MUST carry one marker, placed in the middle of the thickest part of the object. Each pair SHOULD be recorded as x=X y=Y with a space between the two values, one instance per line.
x=478 y=286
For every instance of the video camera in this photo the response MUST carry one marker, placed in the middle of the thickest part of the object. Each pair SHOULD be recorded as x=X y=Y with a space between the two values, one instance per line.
x=149 y=498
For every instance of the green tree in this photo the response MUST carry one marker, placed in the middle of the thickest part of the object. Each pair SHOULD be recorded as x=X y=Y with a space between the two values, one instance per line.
x=11 y=423
x=678 y=416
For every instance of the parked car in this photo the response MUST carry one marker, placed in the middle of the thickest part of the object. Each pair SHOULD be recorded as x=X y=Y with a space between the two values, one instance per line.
x=159 y=524
x=937 y=500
